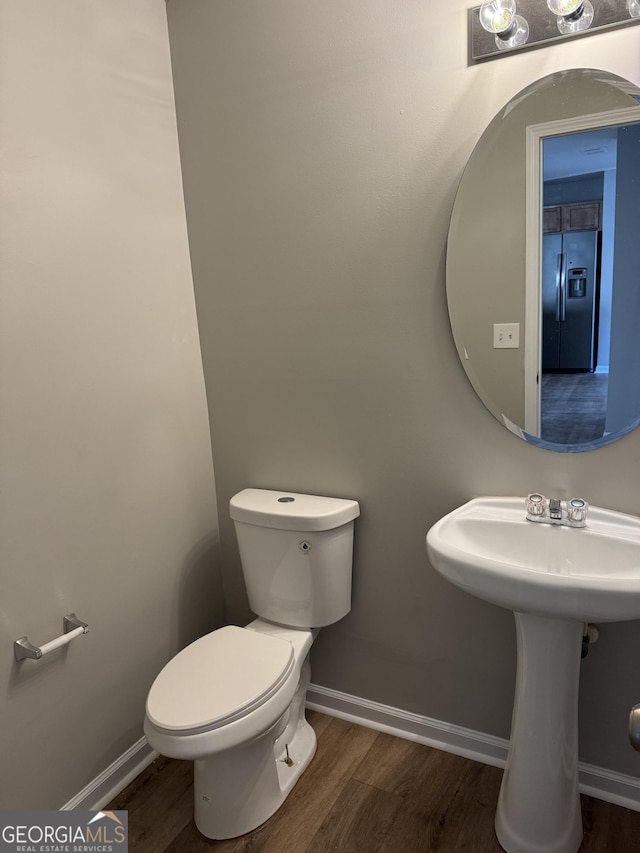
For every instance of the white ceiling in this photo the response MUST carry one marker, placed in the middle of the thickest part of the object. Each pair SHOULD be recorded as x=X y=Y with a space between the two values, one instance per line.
x=580 y=153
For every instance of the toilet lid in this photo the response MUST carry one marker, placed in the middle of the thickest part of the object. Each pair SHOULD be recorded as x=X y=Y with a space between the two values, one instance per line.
x=219 y=678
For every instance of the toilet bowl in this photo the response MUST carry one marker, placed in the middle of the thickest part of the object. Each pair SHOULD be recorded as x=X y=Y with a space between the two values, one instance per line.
x=233 y=701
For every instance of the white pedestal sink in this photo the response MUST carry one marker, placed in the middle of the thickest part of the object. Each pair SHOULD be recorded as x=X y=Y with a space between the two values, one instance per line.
x=555 y=579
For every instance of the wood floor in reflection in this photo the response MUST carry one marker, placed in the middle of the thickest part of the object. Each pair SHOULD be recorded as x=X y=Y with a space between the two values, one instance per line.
x=365 y=791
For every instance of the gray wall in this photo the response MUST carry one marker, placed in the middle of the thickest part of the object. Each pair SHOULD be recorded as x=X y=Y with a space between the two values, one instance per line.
x=623 y=402
x=321 y=145
x=579 y=188
x=107 y=501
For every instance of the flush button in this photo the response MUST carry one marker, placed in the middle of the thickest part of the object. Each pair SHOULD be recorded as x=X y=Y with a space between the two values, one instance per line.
x=286 y=500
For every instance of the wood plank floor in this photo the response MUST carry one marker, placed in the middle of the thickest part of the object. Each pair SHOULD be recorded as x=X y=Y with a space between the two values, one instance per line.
x=364 y=792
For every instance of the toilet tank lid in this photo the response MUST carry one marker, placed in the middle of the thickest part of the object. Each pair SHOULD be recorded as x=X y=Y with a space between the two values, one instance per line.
x=291 y=511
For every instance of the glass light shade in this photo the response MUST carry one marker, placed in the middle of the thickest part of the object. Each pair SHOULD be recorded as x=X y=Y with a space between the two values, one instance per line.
x=496 y=16
x=516 y=35
x=499 y=17
x=564 y=7
x=573 y=15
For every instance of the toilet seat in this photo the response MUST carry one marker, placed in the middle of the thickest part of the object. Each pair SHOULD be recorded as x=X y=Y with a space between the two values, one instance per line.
x=220 y=678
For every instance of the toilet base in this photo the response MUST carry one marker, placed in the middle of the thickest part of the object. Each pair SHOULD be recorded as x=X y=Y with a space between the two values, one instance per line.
x=238 y=790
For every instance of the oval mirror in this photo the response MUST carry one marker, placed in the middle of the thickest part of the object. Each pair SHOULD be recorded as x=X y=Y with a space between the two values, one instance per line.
x=543 y=262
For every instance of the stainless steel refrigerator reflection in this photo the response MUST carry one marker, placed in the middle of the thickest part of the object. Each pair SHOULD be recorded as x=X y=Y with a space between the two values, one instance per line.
x=569 y=276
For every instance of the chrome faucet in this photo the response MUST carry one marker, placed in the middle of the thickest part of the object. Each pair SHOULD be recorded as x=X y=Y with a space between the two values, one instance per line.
x=571 y=513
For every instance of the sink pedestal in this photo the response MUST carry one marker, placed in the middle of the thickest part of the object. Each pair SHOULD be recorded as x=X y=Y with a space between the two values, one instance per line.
x=539 y=804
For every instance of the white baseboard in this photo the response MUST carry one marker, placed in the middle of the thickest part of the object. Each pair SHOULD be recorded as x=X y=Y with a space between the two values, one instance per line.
x=597 y=782
x=114 y=779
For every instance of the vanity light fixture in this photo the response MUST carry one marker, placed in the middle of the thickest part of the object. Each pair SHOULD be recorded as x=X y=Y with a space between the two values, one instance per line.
x=495 y=30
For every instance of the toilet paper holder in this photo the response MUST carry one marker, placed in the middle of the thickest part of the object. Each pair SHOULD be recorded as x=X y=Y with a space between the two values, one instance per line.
x=634 y=727
x=72 y=627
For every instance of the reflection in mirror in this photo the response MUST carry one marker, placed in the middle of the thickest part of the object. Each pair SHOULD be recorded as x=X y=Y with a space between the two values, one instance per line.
x=581 y=177
x=543 y=239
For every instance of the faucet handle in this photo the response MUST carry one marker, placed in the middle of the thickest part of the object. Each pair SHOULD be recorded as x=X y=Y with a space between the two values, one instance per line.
x=577 y=509
x=536 y=504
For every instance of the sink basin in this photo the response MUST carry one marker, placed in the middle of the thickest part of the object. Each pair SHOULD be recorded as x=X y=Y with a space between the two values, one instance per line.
x=589 y=574
x=555 y=579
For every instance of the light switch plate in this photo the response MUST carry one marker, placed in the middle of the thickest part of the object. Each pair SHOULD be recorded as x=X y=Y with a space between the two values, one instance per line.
x=506 y=335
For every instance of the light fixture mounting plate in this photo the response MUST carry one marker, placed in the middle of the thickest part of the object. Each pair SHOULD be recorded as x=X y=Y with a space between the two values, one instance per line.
x=543 y=28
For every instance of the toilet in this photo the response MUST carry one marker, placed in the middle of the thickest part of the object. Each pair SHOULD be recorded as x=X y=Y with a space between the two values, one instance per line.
x=233 y=701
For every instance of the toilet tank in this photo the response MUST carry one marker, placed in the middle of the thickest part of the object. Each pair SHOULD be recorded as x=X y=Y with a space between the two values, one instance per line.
x=297 y=553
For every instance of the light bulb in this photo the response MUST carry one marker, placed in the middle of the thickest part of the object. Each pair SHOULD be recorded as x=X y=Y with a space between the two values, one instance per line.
x=573 y=15
x=634 y=8
x=499 y=17
x=496 y=16
x=564 y=7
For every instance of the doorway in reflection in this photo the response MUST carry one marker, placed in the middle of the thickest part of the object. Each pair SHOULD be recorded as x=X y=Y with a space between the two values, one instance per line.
x=579 y=201
x=573 y=397
x=590 y=285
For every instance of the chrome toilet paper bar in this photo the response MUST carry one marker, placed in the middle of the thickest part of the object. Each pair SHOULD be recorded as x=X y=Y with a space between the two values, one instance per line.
x=72 y=627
